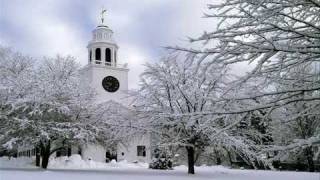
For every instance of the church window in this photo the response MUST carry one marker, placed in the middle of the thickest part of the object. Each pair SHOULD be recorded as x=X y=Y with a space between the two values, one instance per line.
x=108 y=55
x=141 y=151
x=90 y=55
x=79 y=151
x=98 y=54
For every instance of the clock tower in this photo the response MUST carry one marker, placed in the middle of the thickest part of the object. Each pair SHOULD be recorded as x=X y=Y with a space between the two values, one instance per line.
x=109 y=79
x=103 y=72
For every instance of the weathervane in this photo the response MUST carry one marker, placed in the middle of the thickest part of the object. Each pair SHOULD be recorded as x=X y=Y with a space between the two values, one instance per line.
x=102 y=14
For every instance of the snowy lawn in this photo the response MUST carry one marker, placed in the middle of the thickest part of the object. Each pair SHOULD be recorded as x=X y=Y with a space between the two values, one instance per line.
x=75 y=168
x=216 y=173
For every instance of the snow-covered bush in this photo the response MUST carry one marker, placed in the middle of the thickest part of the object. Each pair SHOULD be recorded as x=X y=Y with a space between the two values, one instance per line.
x=161 y=163
x=161 y=160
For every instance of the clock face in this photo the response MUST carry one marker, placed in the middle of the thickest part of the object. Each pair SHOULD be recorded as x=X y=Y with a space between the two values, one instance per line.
x=110 y=84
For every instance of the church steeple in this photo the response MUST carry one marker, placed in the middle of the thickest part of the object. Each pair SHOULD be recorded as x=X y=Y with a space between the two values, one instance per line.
x=102 y=49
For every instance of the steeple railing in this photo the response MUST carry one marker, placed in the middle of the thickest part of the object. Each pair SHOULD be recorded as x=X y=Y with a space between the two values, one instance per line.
x=109 y=64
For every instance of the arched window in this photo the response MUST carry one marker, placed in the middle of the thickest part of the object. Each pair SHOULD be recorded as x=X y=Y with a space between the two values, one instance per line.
x=108 y=55
x=98 y=54
x=90 y=55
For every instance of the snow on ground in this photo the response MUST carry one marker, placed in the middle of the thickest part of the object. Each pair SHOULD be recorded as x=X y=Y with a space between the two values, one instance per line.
x=75 y=168
x=72 y=162
x=215 y=173
x=76 y=162
x=22 y=162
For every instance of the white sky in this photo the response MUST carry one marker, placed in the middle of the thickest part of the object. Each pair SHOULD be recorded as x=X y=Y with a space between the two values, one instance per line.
x=141 y=27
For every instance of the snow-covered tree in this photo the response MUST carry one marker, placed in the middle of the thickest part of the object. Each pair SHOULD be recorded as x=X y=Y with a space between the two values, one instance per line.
x=117 y=122
x=16 y=83
x=298 y=121
x=60 y=107
x=175 y=97
x=46 y=105
x=275 y=38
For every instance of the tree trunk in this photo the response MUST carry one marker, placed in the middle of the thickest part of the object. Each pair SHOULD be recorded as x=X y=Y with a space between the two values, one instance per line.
x=45 y=154
x=229 y=157
x=190 y=151
x=309 y=154
x=218 y=157
x=38 y=156
x=45 y=161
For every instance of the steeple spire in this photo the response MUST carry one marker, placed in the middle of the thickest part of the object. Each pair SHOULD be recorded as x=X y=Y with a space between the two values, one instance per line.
x=102 y=49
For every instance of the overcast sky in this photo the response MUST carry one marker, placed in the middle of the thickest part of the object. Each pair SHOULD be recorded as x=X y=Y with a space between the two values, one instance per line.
x=141 y=27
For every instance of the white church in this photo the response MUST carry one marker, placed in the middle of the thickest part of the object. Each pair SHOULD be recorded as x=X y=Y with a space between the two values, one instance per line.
x=110 y=81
